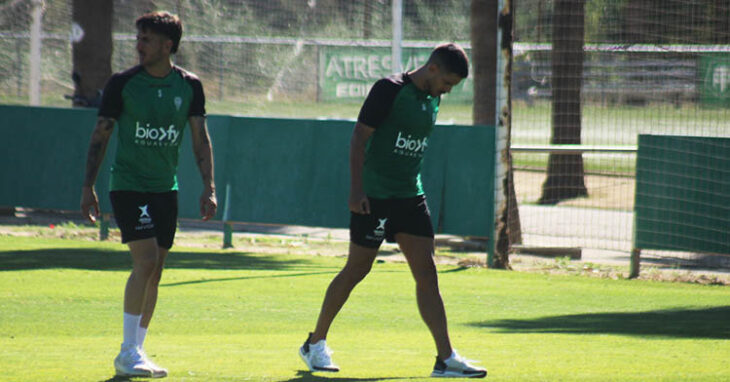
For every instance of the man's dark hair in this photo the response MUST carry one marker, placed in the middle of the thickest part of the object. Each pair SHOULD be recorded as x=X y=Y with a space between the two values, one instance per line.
x=452 y=58
x=163 y=23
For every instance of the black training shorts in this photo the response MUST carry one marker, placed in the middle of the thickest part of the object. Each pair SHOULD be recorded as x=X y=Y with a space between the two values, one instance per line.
x=388 y=217
x=142 y=215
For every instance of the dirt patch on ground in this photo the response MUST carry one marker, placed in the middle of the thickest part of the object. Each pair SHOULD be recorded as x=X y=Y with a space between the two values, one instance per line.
x=604 y=191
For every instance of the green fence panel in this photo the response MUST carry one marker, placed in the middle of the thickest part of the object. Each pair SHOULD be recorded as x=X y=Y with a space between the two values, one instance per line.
x=468 y=199
x=682 y=197
x=188 y=176
x=280 y=171
x=301 y=168
x=288 y=171
x=44 y=156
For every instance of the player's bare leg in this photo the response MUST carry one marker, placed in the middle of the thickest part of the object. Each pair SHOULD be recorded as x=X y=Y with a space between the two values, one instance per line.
x=148 y=309
x=131 y=360
x=359 y=262
x=153 y=283
x=419 y=250
x=145 y=258
x=315 y=352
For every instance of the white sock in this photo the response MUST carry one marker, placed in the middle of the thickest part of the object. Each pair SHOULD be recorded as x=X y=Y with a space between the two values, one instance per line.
x=141 y=334
x=131 y=326
x=453 y=355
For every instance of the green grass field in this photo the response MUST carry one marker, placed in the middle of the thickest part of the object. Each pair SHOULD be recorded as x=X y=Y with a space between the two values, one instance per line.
x=228 y=315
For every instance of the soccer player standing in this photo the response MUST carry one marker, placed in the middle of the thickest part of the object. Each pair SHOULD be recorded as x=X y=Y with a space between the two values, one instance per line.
x=387 y=201
x=151 y=103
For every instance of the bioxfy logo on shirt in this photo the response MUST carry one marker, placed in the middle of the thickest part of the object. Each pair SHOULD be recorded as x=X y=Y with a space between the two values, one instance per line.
x=412 y=147
x=146 y=135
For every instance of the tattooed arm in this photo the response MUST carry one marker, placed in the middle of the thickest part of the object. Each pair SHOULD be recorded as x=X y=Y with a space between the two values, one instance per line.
x=97 y=149
x=203 y=150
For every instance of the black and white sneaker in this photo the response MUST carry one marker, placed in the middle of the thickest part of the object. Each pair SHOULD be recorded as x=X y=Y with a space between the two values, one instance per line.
x=317 y=356
x=457 y=367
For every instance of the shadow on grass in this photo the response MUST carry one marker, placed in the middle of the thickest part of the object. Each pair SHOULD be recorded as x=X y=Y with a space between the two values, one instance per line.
x=453 y=270
x=117 y=378
x=203 y=281
x=302 y=376
x=307 y=376
x=711 y=323
x=111 y=260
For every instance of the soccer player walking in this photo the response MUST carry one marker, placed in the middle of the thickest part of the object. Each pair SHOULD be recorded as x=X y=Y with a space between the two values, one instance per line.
x=387 y=201
x=150 y=103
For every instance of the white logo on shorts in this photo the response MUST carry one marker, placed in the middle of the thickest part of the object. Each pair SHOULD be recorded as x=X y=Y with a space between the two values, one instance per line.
x=380 y=229
x=144 y=215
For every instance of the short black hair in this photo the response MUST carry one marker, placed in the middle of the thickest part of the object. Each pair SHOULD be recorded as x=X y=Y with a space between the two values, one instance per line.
x=163 y=23
x=452 y=58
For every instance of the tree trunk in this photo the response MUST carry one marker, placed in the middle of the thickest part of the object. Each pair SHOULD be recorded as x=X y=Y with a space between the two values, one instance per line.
x=92 y=49
x=484 y=60
x=484 y=27
x=506 y=24
x=565 y=175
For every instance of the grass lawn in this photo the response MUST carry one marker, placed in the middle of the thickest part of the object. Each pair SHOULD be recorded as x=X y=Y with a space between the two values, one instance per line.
x=228 y=315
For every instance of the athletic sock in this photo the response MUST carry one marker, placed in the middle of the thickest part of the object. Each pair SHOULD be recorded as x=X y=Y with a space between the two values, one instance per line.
x=141 y=334
x=131 y=326
x=453 y=353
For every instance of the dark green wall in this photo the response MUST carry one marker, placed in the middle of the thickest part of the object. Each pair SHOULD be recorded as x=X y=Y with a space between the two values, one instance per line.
x=284 y=171
x=43 y=153
x=683 y=194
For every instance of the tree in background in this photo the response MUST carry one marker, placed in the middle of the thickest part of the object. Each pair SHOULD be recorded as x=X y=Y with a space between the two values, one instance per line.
x=565 y=173
x=484 y=47
x=92 y=49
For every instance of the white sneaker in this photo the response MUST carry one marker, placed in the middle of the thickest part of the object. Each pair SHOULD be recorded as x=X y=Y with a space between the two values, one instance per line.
x=157 y=371
x=131 y=363
x=317 y=356
x=457 y=367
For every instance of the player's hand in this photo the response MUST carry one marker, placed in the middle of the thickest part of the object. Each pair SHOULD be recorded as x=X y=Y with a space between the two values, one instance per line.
x=208 y=203
x=359 y=203
x=89 y=204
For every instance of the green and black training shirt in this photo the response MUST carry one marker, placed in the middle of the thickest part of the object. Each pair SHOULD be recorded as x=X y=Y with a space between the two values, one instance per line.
x=403 y=117
x=151 y=114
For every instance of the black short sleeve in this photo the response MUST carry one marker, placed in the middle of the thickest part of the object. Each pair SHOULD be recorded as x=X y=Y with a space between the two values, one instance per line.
x=379 y=101
x=111 y=99
x=197 y=104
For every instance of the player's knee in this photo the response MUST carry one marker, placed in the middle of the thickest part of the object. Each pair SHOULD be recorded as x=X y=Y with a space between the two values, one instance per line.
x=354 y=274
x=146 y=265
x=157 y=274
x=426 y=279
